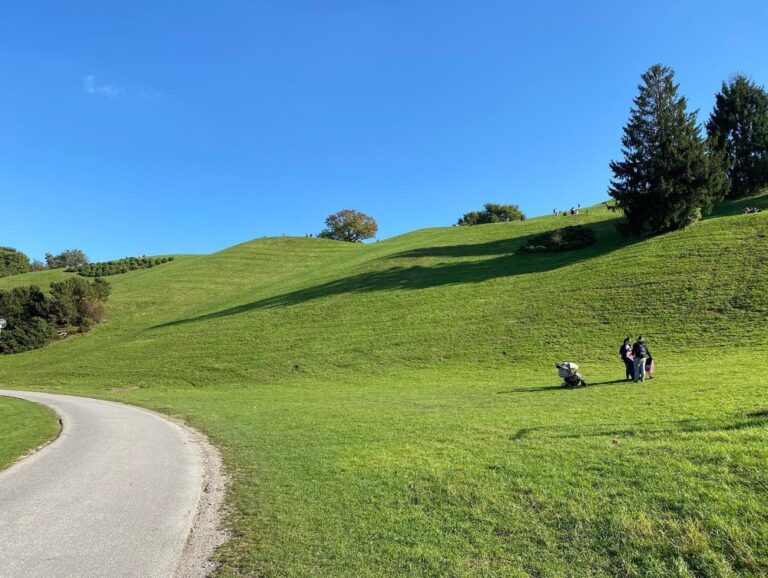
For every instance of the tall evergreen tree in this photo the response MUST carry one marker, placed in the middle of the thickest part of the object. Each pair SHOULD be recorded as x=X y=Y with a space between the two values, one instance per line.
x=666 y=180
x=738 y=129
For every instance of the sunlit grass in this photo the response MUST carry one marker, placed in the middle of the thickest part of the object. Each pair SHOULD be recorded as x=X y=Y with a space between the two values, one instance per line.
x=393 y=409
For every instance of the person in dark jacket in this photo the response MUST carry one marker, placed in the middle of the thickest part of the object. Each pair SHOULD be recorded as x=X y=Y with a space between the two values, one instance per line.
x=625 y=352
x=639 y=355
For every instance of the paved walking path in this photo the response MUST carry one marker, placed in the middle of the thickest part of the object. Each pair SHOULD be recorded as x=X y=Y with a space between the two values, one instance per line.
x=113 y=496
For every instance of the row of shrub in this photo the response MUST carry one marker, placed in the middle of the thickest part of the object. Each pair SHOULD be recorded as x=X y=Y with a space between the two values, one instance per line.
x=14 y=262
x=117 y=266
x=35 y=318
x=565 y=239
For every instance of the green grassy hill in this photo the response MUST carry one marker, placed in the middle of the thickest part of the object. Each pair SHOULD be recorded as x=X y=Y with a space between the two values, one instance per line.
x=393 y=408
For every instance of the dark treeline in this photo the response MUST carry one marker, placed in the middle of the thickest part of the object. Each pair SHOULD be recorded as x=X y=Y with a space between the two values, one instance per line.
x=671 y=174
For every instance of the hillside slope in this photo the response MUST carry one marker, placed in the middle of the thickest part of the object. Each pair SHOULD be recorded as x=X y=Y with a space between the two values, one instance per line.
x=457 y=297
x=392 y=408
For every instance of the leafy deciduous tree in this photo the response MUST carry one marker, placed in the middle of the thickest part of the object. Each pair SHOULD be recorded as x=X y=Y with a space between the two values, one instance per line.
x=68 y=258
x=349 y=225
x=492 y=213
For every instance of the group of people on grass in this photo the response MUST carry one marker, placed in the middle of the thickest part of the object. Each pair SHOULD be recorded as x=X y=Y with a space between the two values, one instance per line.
x=637 y=359
x=573 y=212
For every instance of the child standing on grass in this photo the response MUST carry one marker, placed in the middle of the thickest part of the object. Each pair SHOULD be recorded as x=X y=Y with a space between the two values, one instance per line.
x=649 y=366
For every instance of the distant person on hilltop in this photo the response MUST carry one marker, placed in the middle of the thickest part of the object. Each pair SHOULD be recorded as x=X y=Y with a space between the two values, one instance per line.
x=640 y=354
x=625 y=352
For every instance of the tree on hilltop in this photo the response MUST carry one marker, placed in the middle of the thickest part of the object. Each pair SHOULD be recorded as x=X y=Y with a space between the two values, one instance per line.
x=738 y=128
x=349 y=225
x=68 y=258
x=667 y=178
x=492 y=213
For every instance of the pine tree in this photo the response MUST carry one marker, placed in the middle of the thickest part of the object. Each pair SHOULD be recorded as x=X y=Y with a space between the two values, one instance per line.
x=738 y=128
x=666 y=180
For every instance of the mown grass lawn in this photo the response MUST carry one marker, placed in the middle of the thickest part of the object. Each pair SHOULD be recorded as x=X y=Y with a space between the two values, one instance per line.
x=23 y=427
x=393 y=409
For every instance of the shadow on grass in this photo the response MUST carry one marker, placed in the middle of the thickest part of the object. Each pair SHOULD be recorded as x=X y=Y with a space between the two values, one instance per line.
x=523 y=433
x=608 y=239
x=494 y=259
x=688 y=426
x=506 y=263
x=560 y=387
x=535 y=389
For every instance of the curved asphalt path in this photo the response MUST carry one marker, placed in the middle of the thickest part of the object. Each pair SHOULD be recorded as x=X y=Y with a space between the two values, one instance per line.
x=114 y=495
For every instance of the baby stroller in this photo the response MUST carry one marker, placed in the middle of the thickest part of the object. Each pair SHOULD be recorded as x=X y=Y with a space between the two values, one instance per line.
x=569 y=372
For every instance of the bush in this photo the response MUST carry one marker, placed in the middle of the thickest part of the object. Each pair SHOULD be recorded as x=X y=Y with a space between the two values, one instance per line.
x=93 y=311
x=33 y=318
x=32 y=334
x=492 y=213
x=566 y=239
x=71 y=299
x=13 y=262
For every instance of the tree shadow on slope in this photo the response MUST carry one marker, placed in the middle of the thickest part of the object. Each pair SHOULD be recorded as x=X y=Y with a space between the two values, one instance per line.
x=605 y=231
x=413 y=277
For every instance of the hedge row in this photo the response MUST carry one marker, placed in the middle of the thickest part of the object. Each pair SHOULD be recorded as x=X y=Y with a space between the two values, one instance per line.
x=118 y=266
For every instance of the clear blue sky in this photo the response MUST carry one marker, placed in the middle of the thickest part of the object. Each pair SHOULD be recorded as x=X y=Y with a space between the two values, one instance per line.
x=172 y=127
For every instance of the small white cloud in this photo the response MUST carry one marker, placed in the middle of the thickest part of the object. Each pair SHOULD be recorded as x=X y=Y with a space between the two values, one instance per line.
x=109 y=90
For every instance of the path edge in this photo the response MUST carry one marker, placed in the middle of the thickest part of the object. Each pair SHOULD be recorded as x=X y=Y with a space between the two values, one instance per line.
x=207 y=531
